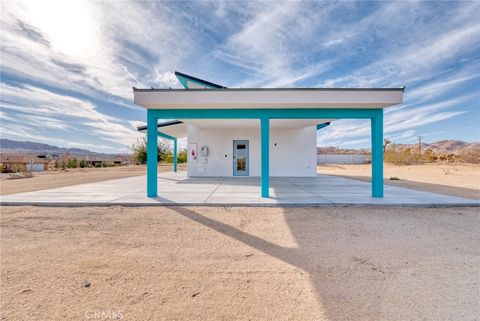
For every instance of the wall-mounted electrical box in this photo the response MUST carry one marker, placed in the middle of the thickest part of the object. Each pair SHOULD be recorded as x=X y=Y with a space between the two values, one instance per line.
x=204 y=151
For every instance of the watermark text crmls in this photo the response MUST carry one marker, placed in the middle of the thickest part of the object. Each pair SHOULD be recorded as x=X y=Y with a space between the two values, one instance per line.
x=108 y=314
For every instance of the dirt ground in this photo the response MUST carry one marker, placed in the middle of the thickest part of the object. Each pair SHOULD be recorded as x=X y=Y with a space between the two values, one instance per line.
x=54 y=179
x=213 y=263
x=452 y=179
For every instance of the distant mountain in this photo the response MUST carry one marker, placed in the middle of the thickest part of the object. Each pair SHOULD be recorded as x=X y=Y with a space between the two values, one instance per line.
x=441 y=147
x=18 y=147
x=331 y=150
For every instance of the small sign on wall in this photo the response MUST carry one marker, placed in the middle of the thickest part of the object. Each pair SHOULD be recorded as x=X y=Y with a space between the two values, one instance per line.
x=192 y=151
x=204 y=151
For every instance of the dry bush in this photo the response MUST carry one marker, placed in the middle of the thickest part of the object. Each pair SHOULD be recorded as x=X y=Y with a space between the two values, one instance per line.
x=472 y=157
x=19 y=175
x=408 y=156
x=400 y=157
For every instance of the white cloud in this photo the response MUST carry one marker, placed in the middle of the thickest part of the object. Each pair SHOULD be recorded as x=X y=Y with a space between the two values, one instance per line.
x=268 y=46
x=33 y=110
x=93 y=48
x=398 y=125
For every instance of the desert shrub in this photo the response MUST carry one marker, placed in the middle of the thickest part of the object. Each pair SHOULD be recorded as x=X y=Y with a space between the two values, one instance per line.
x=392 y=156
x=400 y=157
x=407 y=157
x=182 y=156
x=97 y=165
x=139 y=151
x=169 y=158
x=20 y=174
x=27 y=174
x=72 y=163
x=429 y=156
x=472 y=157
x=82 y=163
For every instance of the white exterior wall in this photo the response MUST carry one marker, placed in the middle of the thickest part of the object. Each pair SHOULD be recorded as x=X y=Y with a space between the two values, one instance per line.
x=341 y=159
x=35 y=167
x=292 y=151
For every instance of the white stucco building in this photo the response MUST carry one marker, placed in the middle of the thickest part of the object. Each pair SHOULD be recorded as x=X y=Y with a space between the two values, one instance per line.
x=259 y=132
x=226 y=147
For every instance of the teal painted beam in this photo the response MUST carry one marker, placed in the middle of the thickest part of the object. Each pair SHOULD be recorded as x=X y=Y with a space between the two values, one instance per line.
x=175 y=155
x=265 y=155
x=320 y=126
x=174 y=139
x=265 y=114
x=163 y=135
x=152 y=154
x=293 y=113
x=377 y=154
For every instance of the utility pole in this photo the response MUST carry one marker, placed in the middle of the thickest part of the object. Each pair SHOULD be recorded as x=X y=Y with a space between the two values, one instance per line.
x=419 y=145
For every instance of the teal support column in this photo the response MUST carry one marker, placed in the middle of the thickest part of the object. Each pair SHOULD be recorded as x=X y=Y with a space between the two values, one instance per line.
x=152 y=154
x=377 y=153
x=174 y=140
x=265 y=155
x=175 y=155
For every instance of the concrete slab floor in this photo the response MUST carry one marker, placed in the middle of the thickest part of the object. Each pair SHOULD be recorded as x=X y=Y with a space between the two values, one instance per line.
x=178 y=189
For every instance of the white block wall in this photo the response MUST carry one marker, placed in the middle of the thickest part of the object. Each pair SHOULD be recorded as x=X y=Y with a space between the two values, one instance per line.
x=341 y=159
x=292 y=151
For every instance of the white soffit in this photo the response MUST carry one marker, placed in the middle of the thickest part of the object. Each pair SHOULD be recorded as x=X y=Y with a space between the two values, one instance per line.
x=267 y=98
x=253 y=123
x=180 y=130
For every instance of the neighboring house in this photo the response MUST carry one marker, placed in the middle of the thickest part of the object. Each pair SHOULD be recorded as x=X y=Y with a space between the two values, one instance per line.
x=21 y=163
x=260 y=132
x=122 y=160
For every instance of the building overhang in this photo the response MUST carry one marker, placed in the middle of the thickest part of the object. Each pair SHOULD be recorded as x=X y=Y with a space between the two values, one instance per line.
x=277 y=98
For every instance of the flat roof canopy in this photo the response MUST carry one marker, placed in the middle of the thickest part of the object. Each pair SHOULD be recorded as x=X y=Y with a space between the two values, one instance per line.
x=250 y=98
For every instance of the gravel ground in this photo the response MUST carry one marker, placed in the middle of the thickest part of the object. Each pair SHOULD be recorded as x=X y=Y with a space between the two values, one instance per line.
x=212 y=263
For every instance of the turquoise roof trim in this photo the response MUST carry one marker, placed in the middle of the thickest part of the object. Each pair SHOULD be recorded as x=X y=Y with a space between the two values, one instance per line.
x=320 y=126
x=185 y=79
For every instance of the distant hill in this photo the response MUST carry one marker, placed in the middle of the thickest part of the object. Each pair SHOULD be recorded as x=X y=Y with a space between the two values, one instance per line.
x=457 y=147
x=331 y=150
x=441 y=147
x=18 y=147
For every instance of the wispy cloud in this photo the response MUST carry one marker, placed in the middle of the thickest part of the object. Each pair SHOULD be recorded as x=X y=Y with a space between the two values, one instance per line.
x=41 y=113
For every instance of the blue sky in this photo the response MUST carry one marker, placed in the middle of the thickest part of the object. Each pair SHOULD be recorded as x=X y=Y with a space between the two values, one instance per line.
x=67 y=67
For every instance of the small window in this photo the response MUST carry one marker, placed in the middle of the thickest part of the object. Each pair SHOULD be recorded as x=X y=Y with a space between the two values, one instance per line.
x=240 y=146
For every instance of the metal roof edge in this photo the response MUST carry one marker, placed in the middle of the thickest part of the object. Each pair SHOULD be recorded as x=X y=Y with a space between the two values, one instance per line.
x=159 y=125
x=267 y=89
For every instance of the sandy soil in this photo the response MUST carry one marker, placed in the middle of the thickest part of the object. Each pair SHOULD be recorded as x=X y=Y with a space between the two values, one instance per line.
x=54 y=179
x=452 y=179
x=338 y=263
